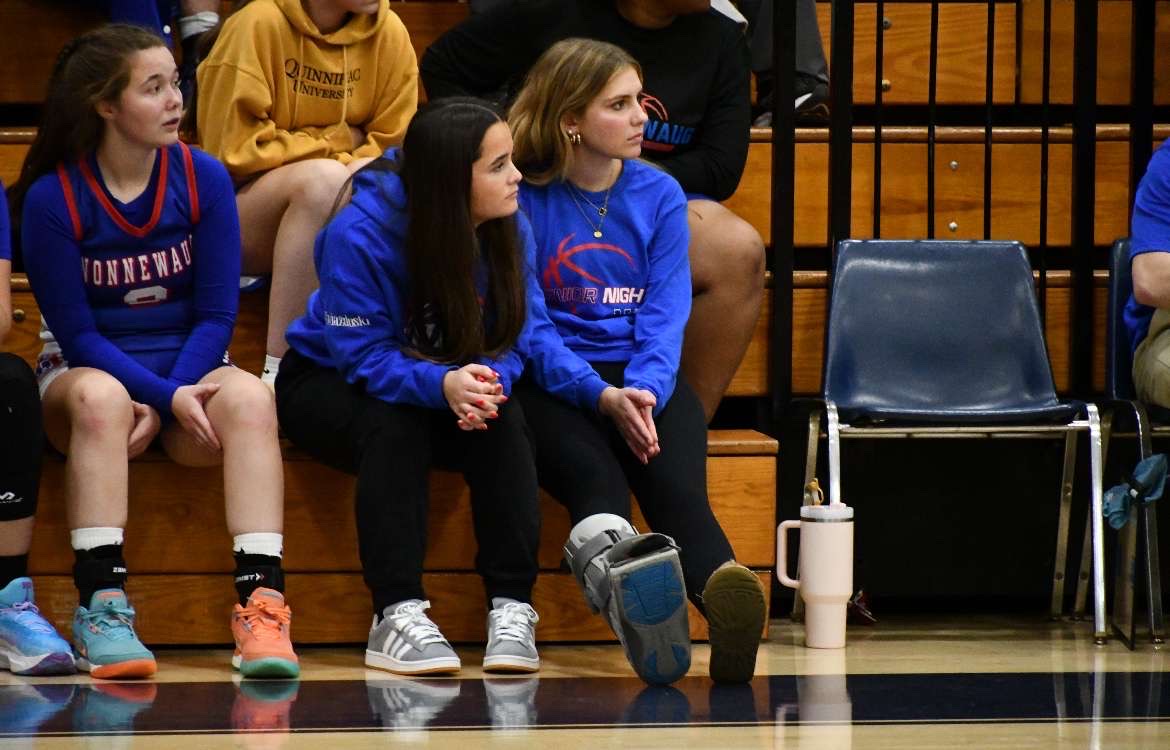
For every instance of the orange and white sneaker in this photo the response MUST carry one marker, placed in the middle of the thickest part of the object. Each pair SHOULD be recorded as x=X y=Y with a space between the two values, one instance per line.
x=261 y=630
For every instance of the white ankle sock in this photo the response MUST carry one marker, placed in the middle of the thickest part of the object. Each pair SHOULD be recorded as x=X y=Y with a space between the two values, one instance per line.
x=259 y=543
x=197 y=23
x=95 y=536
x=271 y=368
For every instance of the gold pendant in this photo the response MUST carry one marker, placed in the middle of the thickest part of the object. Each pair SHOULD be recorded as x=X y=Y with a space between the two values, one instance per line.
x=597 y=233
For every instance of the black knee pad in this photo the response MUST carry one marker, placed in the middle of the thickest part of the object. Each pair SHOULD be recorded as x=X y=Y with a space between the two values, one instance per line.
x=20 y=424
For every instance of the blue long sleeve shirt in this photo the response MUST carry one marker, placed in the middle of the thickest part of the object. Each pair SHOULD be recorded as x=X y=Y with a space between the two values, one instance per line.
x=356 y=321
x=1149 y=233
x=147 y=290
x=621 y=297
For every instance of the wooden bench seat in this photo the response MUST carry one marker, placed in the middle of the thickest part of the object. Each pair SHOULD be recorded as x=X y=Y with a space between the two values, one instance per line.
x=178 y=548
x=958 y=164
x=178 y=544
x=1018 y=45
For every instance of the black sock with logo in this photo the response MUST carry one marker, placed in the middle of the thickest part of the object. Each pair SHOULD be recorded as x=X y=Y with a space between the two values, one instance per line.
x=256 y=571
x=96 y=569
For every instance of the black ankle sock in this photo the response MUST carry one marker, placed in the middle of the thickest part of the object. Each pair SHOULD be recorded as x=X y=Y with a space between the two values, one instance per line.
x=255 y=571
x=12 y=567
x=98 y=568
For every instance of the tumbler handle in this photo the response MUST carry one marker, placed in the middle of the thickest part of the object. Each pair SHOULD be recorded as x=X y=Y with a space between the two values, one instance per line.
x=782 y=553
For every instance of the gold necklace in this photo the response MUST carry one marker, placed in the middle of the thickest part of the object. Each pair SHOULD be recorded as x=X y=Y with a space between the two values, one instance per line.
x=602 y=210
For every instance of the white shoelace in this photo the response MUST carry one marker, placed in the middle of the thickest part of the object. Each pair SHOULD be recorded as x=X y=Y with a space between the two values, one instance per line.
x=413 y=622
x=514 y=621
x=28 y=615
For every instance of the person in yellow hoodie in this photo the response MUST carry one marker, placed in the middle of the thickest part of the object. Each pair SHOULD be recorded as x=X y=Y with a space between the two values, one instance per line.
x=294 y=96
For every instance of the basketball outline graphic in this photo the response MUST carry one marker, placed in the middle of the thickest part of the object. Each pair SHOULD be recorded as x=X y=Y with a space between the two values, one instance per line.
x=551 y=277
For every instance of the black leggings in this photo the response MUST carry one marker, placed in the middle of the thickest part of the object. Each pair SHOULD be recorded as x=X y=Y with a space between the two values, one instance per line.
x=391 y=448
x=20 y=427
x=583 y=461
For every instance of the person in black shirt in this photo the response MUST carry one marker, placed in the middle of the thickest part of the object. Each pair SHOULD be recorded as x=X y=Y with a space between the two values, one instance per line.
x=696 y=93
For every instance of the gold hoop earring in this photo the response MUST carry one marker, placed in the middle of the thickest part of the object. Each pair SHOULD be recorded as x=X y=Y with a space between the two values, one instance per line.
x=574 y=138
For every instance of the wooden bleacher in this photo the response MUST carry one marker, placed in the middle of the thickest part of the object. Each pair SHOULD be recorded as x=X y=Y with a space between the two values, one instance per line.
x=192 y=589
x=47 y=24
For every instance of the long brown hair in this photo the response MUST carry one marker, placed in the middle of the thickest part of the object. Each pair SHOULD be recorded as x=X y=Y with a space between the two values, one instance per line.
x=568 y=76
x=93 y=68
x=445 y=250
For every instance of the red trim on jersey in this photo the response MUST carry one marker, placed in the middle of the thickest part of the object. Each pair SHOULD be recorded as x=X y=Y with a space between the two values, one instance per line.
x=192 y=188
x=160 y=192
x=70 y=201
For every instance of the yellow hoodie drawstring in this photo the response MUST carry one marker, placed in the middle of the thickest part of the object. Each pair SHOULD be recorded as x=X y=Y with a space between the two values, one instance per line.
x=345 y=88
x=296 y=84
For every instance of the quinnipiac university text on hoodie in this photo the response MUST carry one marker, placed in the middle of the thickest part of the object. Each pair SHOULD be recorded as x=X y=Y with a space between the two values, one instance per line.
x=275 y=89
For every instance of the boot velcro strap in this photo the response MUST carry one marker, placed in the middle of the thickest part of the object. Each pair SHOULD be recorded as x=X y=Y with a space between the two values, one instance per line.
x=598 y=544
x=641 y=545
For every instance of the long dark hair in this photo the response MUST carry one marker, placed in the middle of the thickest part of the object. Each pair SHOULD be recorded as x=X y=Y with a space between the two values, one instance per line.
x=93 y=68
x=445 y=251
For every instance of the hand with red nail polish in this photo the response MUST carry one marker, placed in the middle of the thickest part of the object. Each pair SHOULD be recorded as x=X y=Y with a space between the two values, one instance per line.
x=473 y=394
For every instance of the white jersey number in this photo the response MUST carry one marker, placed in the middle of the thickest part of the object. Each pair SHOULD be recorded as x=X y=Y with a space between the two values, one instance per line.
x=151 y=295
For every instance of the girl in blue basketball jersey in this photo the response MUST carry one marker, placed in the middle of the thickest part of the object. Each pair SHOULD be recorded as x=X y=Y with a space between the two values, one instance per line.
x=131 y=244
x=611 y=414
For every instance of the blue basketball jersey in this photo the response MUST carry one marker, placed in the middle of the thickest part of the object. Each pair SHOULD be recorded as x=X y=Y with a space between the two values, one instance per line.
x=146 y=290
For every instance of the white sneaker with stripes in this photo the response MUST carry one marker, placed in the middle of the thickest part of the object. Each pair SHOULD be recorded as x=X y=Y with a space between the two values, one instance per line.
x=407 y=642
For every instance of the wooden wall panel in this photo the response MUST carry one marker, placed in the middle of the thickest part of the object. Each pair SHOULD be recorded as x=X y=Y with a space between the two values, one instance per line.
x=170 y=502
x=962 y=44
x=1113 y=52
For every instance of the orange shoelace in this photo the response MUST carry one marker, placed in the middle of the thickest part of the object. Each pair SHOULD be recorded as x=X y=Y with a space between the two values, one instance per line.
x=265 y=619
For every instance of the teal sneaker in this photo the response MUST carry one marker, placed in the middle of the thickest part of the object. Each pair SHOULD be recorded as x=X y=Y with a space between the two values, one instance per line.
x=28 y=643
x=104 y=639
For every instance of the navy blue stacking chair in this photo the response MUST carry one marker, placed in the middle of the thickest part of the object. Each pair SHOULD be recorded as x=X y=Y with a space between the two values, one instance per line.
x=1148 y=421
x=940 y=338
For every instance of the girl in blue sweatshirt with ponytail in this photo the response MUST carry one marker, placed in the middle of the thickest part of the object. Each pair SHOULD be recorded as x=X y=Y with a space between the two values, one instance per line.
x=610 y=413
x=406 y=359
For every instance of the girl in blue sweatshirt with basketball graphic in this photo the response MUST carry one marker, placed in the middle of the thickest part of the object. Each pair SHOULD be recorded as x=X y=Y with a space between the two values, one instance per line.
x=610 y=414
x=131 y=244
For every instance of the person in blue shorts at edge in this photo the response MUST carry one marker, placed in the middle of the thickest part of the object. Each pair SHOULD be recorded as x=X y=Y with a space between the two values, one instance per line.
x=605 y=403
x=1147 y=312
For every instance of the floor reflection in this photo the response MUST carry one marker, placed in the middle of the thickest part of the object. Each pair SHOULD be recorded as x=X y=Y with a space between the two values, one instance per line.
x=270 y=708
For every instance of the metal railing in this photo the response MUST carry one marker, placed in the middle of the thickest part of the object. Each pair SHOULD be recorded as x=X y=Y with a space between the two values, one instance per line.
x=1082 y=258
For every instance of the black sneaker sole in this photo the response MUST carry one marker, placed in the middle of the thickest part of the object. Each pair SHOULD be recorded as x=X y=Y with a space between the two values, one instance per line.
x=736 y=610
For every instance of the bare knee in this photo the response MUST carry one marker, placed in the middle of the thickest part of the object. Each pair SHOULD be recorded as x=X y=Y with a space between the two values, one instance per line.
x=100 y=405
x=317 y=185
x=727 y=253
x=243 y=403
